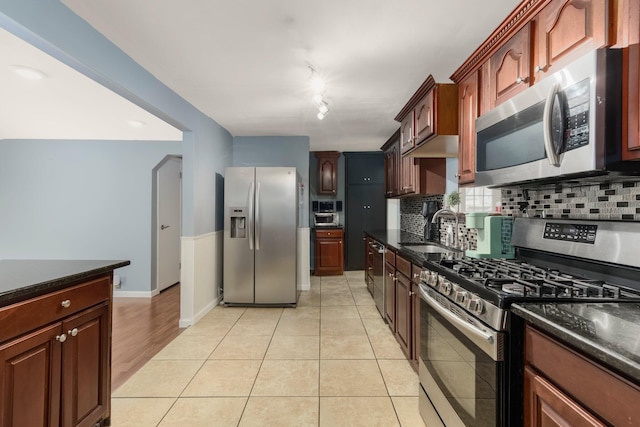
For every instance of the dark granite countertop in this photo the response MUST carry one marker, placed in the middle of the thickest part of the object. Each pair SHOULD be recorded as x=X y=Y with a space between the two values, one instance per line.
x=24 y=279
x=609 y=333
x=401 y=241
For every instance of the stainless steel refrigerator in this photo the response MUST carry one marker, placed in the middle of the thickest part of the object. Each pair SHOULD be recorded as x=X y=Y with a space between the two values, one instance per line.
x=260 y=235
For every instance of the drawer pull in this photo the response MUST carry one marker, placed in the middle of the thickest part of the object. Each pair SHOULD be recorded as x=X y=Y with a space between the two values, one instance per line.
x=416 y=275
x=73 y=332
x=61 y=338
x=66 y=303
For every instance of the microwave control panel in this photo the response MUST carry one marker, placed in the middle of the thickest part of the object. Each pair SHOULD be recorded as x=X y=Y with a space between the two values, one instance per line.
x=575 y=100
x=580 y=233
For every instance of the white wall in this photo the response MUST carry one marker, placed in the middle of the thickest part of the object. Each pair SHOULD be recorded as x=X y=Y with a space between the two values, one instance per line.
x=80 y=199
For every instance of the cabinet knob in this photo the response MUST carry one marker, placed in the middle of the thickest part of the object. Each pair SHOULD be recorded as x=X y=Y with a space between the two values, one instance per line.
x=66 y=303
x=411 y=293
x=538 y=68
x=73 y=332
x=521 y=80
x=61 y=338
x=416 y=275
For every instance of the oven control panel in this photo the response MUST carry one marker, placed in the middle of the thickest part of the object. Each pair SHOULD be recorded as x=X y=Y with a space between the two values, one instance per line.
x=580 y=233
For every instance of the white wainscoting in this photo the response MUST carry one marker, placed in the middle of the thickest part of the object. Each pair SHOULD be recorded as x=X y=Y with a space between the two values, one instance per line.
x=304 y=259
x=200 y=276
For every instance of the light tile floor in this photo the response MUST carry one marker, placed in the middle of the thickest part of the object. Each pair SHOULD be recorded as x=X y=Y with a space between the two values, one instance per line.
x=330 y=362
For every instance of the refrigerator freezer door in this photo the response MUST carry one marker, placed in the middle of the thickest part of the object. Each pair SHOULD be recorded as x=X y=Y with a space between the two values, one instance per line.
x=276 y=244
x=238 y=253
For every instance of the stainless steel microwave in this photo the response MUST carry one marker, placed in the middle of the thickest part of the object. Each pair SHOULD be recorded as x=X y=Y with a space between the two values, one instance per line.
x=326 y=219
x=565 y=126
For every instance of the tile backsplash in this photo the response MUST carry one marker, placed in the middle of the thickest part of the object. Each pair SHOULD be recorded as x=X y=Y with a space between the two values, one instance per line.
x=411 y=218
x=593 y=201
x=596 y=201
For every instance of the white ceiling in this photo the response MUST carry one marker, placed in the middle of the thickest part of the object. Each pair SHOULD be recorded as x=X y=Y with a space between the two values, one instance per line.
x=65 y=104
x=245 y=63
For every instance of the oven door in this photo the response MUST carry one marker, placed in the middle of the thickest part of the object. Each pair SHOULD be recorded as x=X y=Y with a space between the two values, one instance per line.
x=461 y=366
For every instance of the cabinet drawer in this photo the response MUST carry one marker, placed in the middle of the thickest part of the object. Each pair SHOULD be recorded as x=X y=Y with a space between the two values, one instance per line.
x=329 y=234
x=583 y=379
x=27 y=315
x=403 y=266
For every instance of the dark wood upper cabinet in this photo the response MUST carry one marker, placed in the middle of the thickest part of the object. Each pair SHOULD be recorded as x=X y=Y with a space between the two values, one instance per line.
x=567 y=29
x=509 y=68
x=468 y=92
x=327 y=172
x=631 y=80
x=407 y=141
x=432 y=111
x=391 y=150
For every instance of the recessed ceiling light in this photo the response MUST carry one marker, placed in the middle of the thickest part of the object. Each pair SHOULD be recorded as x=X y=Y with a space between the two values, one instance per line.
x=136 y=123
x=28 y=72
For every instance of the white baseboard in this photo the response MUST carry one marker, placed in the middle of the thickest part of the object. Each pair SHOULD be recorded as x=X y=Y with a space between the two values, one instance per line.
x=134 y=294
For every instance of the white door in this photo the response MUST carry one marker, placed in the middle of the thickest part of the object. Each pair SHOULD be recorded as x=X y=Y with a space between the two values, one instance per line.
x=168 y=231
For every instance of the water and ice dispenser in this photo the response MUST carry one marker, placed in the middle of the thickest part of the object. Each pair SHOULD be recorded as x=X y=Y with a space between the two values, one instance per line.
x=238 y=223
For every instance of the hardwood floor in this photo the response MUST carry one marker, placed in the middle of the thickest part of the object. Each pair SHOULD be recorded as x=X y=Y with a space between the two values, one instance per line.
x=141 y=328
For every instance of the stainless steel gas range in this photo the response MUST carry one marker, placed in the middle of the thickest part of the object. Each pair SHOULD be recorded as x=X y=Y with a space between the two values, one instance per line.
x=471 y=347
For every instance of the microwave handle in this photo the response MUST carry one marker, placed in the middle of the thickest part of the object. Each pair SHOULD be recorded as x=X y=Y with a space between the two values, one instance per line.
x=547 y=119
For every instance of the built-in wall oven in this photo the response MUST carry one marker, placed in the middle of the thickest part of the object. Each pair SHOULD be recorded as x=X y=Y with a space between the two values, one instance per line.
x=471 y=347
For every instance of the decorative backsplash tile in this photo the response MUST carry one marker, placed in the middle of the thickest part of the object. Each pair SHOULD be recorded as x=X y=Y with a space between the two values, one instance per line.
x=608 y=201
x=594 y=201
x=411 y=218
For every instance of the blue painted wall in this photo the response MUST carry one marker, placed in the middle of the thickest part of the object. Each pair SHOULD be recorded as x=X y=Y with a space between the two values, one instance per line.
x=80 y=199
x=55 y=29
x=291 y=151
x=206 y=150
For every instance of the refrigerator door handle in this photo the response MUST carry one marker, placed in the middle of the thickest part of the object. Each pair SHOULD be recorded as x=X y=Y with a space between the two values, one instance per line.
x=258 y=230
x=250 y=197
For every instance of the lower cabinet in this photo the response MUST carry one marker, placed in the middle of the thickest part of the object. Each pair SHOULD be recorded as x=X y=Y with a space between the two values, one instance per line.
x=329 y=252
x=565 y=388
x=403 y=304
x=390 y=288
x=58 y=374
x=546 y=406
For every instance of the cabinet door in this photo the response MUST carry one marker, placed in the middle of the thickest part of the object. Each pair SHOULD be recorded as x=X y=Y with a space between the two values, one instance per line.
x=407 y=140
x=329 y=255
x=546 y=406
x=566 y=29
x=364 y=168
x=415 y=318
x=403 y=311
x=509 y=68
x=631 y=89
x=85 y=367
x=391 y=170
x=390 y=296
x=30 y=379
x=468 y=105
x=424 y=118
x=408 y=175
x=327 y=172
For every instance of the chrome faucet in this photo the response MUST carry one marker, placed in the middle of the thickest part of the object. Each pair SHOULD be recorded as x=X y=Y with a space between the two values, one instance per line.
x=449 y=212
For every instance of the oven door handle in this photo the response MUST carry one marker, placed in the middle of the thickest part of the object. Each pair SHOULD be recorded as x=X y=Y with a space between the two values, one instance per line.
x=488 y=342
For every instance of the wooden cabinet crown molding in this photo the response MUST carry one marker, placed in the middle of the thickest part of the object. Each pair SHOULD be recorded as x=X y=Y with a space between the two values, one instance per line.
x=422 y=91
x=520 y=16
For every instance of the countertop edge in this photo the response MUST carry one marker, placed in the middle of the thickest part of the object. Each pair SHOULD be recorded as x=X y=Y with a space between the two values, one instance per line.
x=36 y=289
x=597 y=352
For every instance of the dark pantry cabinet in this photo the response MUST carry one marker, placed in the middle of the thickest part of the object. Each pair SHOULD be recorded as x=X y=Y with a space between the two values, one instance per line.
x=366 y=206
